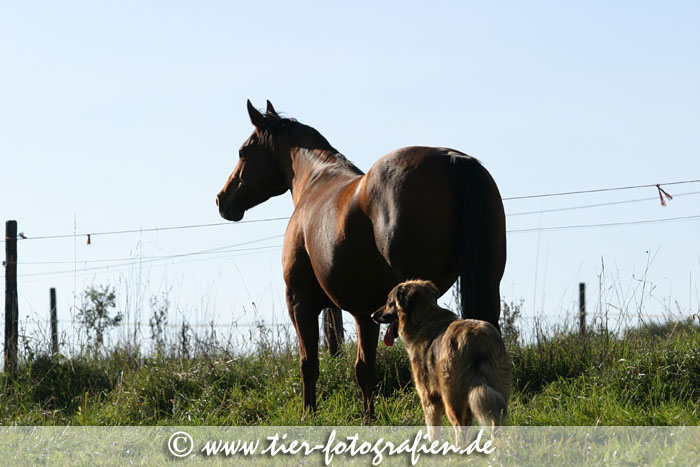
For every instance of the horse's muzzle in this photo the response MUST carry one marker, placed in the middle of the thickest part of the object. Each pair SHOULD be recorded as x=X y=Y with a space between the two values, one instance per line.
x=226 y=211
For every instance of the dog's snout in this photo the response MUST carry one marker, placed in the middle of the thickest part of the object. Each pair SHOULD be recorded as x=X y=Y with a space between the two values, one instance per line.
x=378 y=316
x=217 y=200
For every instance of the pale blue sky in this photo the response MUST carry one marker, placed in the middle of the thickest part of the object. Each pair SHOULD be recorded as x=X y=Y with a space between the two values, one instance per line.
x=128 y=115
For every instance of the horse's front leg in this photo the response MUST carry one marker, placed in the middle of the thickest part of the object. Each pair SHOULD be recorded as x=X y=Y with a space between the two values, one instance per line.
x=367 y=335
x=304 y=313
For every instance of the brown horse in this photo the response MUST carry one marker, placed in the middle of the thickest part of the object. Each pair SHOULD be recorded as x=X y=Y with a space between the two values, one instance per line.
x=419 y=212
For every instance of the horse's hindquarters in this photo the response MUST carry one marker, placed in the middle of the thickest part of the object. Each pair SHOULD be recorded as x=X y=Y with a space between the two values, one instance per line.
x=412 y=206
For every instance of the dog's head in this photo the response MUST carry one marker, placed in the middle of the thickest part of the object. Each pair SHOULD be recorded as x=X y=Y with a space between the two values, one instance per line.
x=405 y=307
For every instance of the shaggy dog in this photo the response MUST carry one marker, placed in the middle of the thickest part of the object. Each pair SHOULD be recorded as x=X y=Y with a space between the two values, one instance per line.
x=460 y=366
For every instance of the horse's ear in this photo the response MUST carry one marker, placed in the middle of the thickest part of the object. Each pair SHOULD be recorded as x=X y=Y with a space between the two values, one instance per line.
x=271 y=110
x=256 y=118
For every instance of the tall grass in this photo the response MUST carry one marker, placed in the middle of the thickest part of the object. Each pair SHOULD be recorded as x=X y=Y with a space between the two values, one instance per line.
x=646 y=376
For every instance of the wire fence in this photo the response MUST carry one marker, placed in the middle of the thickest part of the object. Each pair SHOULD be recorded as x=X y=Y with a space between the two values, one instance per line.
x=232 y=249
x=250 y=246
x=662 y=193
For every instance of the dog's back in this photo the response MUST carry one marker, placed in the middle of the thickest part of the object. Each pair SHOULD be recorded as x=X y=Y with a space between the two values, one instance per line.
x=460 y=367
x=474 y=363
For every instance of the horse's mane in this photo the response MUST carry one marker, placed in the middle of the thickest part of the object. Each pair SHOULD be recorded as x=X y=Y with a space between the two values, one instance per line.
x=288 y=130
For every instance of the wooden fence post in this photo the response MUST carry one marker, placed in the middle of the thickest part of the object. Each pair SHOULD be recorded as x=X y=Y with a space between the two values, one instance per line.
x=11 y=309
x=54 y=323
x=582 y=308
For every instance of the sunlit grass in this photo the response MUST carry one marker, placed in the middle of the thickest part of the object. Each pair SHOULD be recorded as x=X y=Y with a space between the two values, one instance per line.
x=648 y=377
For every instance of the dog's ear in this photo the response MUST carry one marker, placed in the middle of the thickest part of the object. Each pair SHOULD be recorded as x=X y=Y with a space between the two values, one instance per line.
x=405 y=297
x=432 y=292
x=415 y=295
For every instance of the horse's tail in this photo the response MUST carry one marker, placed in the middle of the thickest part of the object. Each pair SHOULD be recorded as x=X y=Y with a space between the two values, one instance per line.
x=480 y=227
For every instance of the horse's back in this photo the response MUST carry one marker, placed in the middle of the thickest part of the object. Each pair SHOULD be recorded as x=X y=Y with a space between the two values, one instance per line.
x=399 y=221
x=415 y=167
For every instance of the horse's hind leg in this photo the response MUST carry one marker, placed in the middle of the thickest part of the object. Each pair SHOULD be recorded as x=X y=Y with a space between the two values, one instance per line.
x=333 y=330
x=367 y=335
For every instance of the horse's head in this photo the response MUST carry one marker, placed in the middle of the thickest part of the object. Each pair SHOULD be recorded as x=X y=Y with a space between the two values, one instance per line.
x=257 y=176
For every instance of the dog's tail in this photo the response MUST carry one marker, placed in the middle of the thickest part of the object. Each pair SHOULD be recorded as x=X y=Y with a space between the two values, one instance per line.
x=487 y=404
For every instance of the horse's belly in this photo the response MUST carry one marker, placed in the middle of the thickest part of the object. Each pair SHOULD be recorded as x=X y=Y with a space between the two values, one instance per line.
x=354 y=275
x=357 y=275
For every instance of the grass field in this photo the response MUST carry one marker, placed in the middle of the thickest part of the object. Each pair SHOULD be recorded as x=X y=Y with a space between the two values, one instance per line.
x=650 y=376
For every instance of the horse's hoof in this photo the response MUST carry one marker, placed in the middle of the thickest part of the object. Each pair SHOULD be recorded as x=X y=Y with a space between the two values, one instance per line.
x=308 y=414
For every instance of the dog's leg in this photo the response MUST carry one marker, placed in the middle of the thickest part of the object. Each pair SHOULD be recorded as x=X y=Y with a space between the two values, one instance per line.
x=367 y=335
x=454 y=420
x=460 y=417
x=433 y=410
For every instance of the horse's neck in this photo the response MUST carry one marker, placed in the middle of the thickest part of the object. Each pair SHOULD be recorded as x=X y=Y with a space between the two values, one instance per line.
x=309 y=166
